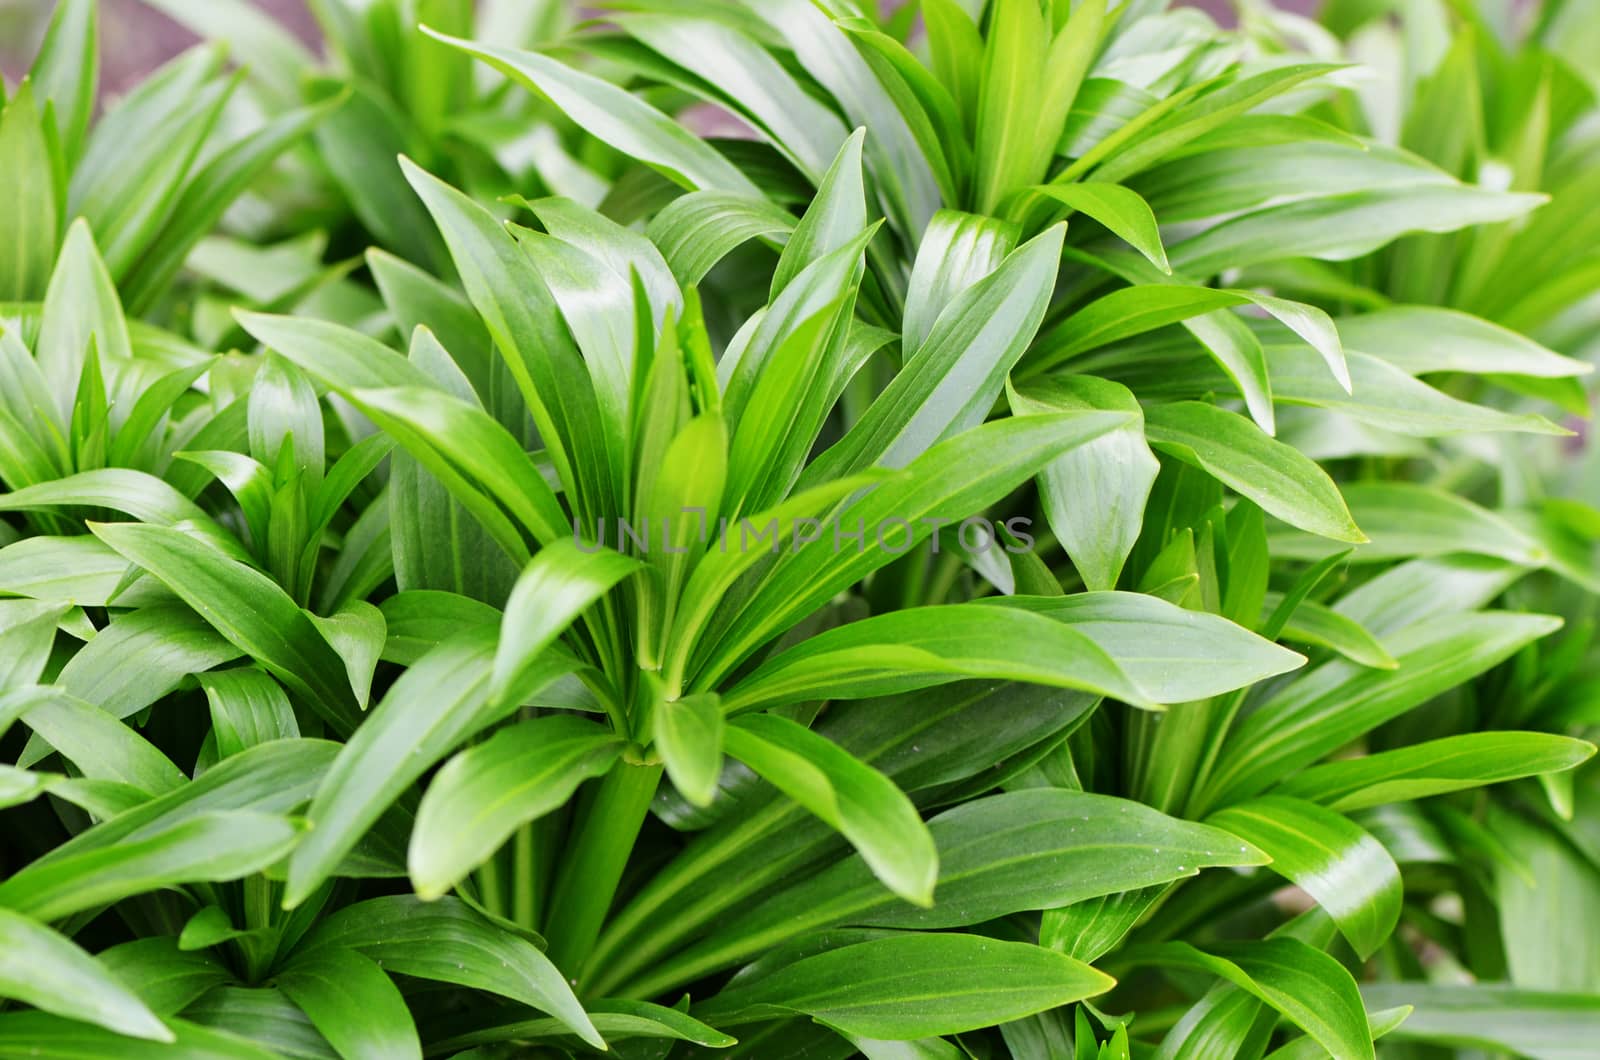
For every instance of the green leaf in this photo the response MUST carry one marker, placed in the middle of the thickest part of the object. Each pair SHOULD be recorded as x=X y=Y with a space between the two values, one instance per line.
x=1423 y=339
x=1545 y=1025
x=1012 y=86
x=957 y=251
x=358 y=142
x=616 y=1018
x=418 y=620
x=434 y=706
x=1341 y=227
x=1310 y=988
x=1335 y=703
x=21 y=786
x=30 y=211
x=482 y=795
x=1238 y=453
x=353 y=1003
x=1023 y=850
x=688 y=733
x=1406 y=519
x=98 y=744
x=141 y=656
x=1434 y=767
x=954 y=379
x=835 y=217
x=358 y=634
x=905 y=183
x=67 y=72
x=209 y=193
x=164 y=977
x=845 y=793
x=247 y=608
x=437 y=703
x=1312 y=623
x=1198 y=112
x=212 y=846
x=614 y=116
x=80 y=306
x=1116 y=470
x=81 y=571
x=949 y=482
x=1384 y=396
x=447 y=942
x=27 y=633
x=750 y=79
x=22 y=1032
x=899 y=987
x=141 y=152
x=1123 y=211
x=560 y=583
x=284 y=413
x=1171 y=654
x=1345 y=869
x=41 y=968
x=145 y=497
x=698 y=230
x=524 y=320
x=917 y=647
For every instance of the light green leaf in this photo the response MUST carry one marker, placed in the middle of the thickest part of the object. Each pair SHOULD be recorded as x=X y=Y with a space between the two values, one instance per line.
x=67 y=72
x=80 y=306
x=1310 y=988
x=850 y=796
x=899 y=987
x=1268 y=472
x=954 y=379
x=353 y=1003
x=957 y=251
x=1423 y=339
x=1170 y=653
x=1545 y=1025
x=835 y=217
x=1343 y=867
x=481 y=796
x=66 y=1039
x=29 y=212
x=562 y=580
x=1041 y=848
x=688 y=733
x=247 y=608
x=1335 y=703
x=1341 y=227
x=917 y=647
x=41 y=968
x=448 y=942
x=1434 y=767
x=102 y=747
x=214 y=846
x=1314 y=623
x=1116 y=470
x=614 y=116
x=1123 y=211
x=698 y=230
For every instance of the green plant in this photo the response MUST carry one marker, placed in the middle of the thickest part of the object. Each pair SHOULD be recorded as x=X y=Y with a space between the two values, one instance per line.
x=619 y=666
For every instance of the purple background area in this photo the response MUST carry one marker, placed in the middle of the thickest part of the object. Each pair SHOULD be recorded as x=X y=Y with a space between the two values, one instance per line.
x=136 y=39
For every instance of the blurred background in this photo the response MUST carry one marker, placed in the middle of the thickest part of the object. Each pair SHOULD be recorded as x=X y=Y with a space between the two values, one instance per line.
x=135 y=38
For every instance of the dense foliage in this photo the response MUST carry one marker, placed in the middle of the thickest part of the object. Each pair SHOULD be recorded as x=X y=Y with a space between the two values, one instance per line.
x=1066 y=531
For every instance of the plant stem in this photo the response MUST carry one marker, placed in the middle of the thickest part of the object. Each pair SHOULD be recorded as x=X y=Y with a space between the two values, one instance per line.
x=587 y=882
x=490 y=889
x=524 y=878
